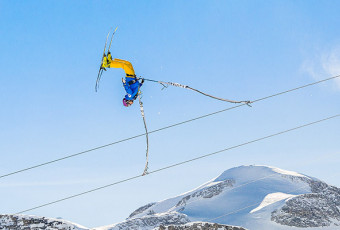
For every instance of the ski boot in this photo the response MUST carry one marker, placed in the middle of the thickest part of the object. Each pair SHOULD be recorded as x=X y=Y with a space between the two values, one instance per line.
x=106 y=60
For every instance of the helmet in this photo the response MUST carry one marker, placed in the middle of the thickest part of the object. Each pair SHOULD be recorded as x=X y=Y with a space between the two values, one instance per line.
x=127 y=103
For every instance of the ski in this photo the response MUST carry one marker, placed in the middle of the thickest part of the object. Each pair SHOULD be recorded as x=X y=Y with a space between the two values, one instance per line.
x=100 y=72
x=101 y=62
x=111 y=39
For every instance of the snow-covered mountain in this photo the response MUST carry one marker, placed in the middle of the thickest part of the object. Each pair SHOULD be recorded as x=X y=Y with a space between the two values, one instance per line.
x=253 y=197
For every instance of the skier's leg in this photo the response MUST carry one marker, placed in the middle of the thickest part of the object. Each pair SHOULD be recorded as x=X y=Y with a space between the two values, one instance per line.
x=125 y=65
x=124 y=61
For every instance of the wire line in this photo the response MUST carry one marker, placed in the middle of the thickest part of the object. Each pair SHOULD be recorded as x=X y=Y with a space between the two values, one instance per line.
x=160 y=129
x=181 y=163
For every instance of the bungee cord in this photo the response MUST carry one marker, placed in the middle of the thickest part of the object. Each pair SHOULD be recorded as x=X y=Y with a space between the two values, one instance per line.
x=166 y=84
x=160 y=129
x=181 y=163
x=146 y=135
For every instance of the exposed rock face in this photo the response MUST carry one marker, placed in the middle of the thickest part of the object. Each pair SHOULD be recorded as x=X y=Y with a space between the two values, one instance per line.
x=150 y=221
x=199 y=226
x=170 y=221
x=20 y=222
x=208 y=192
x=320 y=208
x=141 y=209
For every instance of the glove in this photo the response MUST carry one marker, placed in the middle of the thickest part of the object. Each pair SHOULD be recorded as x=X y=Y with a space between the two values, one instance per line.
x=142 y=81
x=123 y=80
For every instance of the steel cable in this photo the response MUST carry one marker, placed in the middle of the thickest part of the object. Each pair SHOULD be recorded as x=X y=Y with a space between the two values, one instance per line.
x=160 y=129
x=181 y=163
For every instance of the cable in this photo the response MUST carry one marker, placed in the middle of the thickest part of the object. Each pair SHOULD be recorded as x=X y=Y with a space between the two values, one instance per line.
x=147 y=136
x=166 y=84
x=181 y=163
x=160 y=129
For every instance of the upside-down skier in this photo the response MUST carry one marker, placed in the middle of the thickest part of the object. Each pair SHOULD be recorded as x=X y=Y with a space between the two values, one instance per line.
x=130 y=82
x=132 y=86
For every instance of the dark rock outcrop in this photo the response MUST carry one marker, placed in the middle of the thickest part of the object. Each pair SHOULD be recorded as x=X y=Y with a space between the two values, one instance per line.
x=141 y=209
x=320 y=208
x=21 y=222
x=208 y=192
x=199 y=226
x=151 y=221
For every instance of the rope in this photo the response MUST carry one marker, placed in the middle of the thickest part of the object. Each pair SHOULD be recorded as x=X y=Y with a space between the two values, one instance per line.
x=160 y=129
x=147 y=137
x=221 y=99
x=183 y=162
x=205 y=94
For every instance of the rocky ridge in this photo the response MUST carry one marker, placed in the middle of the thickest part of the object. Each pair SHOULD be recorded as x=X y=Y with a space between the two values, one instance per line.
x=168 y=221
x=150 y=221
x=22 y=222
x=208 y=192
x=142 y=209
x=199 y=226
x=321 y=208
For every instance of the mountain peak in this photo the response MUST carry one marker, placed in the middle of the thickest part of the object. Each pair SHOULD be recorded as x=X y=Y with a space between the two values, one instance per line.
x=246 y=173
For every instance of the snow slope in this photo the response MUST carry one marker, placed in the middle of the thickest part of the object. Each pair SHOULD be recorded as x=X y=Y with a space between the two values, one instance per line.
x=271 y=199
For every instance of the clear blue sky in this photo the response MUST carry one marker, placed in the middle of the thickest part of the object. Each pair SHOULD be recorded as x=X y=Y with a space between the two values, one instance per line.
x=50 y=54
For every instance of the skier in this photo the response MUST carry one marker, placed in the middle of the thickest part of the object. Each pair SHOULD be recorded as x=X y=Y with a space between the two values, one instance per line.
x=131 y=82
